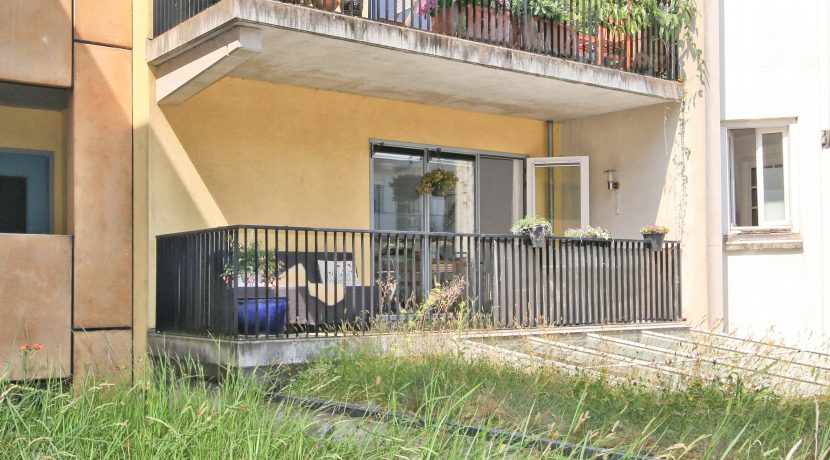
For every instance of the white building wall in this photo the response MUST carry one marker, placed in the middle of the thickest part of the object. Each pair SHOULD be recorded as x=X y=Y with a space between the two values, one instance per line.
x=774 y=64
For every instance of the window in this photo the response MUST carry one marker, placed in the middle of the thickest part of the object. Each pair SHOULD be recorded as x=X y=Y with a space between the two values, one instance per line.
x=759 y=195
x=25 y=195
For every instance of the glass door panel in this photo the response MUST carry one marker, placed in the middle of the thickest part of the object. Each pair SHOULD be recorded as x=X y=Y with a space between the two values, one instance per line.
x=397 y=205
x=558 y=191
x=501 y=194
x=455 y=212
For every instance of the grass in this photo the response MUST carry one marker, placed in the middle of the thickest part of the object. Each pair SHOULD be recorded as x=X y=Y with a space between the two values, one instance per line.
x=168 y=415
x=171 y=416
x=703 y=420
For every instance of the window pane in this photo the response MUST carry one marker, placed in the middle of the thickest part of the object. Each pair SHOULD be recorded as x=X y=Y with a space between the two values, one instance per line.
x=456 y=212
x=397 y=205
x=773 y=148
x=558 y=196
x=12 y=204
x=744 y=188
x=500 y=193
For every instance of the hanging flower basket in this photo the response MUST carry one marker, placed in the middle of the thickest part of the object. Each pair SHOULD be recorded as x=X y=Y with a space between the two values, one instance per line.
x=437 y=182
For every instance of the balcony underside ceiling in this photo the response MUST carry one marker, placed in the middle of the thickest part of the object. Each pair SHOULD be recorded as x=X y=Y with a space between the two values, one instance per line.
x=280 y=43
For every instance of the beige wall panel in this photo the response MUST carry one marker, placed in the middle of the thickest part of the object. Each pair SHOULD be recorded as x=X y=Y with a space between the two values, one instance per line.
x=646 y=160
x=108 y=22
x=101 y=188
x=36 y=42
x=42 y=130
x=36 y=305
x=104 y=354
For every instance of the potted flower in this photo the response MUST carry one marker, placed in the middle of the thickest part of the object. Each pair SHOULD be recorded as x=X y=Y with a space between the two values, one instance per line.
x=258 y=268
x=535 y=229
x=589 y=233
x=654 y=234
x=437 y=182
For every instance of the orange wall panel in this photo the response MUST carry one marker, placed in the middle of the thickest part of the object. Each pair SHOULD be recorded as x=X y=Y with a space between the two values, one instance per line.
x=36 y=42
x=107 y=22
x=100 y=192
x=35 y=304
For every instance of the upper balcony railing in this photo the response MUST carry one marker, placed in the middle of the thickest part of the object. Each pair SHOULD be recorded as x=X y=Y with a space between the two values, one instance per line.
x=595 y=32
x=250 y=282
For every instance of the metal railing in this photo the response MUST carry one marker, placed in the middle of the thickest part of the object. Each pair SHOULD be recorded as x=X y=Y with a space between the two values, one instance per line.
x=268 y=282
x=576 y=30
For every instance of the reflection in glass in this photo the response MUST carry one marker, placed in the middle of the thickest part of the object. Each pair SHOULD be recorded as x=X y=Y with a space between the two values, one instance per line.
x=454 y=213
x=397 y=205
x=774 y=207
x=744 y=180
x=558 y=196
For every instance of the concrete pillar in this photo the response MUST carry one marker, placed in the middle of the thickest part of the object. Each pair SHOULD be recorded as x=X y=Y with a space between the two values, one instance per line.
x=714 y=176
x=100 y=185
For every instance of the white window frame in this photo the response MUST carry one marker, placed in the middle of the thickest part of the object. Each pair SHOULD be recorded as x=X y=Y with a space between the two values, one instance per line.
x=763 y=224
x=581 y=161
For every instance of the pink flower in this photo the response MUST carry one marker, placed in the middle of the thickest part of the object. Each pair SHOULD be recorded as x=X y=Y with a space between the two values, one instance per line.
x=428 y=7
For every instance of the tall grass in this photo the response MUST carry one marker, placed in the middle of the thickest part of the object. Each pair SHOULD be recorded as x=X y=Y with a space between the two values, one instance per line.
x=169 y=416
x=711 y=420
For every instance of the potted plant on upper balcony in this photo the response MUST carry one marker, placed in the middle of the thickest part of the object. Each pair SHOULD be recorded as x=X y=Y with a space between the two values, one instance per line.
x=352 y=7
x=325 y=5
x=654 y=235
x=437 y=182
x=537 y=25
x=479 y=20
x=535 y=229
x=258 y=269
x=589 y=235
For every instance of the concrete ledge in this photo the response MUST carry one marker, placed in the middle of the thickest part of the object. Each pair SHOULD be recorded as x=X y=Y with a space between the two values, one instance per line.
x=249 y=354
x=764 y=241
x=283 y=18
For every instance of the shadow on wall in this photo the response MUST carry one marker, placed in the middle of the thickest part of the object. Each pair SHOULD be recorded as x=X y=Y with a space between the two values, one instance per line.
x=643 y=146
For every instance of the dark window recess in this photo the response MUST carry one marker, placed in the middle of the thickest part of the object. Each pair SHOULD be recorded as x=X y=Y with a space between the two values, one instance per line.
x=12 y=204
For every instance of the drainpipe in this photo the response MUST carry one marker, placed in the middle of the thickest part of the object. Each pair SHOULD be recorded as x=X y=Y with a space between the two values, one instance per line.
x=714 y=179
x=550 y=171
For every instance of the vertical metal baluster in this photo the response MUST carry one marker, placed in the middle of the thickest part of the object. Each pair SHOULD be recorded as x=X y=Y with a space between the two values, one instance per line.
x=267 y=286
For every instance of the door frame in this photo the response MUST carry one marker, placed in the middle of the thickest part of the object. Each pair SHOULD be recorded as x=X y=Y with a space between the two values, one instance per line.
x=584 y=187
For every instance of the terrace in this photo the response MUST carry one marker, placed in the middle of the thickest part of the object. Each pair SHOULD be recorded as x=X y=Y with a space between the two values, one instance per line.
x=269 y=292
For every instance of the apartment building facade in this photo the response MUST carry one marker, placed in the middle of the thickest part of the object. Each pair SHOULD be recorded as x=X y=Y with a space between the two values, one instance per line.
x=774 y=121
x=300 y=122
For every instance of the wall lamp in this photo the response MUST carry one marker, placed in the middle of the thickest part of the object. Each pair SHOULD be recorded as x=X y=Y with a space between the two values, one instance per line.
x=611 y=179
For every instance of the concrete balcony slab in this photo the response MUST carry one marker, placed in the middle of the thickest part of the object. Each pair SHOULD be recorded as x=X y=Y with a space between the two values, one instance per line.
x=302 y=46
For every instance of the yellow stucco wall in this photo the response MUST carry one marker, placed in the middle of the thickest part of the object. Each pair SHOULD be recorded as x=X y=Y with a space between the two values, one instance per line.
x=30 y=129
x=259 y=153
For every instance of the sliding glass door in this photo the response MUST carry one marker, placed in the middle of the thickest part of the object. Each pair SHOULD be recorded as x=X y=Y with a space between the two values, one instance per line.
x=398 y=205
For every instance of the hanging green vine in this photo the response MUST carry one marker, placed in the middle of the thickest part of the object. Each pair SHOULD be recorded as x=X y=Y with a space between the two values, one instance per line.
x=676 y=20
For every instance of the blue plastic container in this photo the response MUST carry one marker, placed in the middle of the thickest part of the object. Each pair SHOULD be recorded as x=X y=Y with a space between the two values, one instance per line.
x=268 y=315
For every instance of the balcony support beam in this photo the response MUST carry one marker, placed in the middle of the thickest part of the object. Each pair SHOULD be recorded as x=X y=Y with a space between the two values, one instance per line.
x=183 y=76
